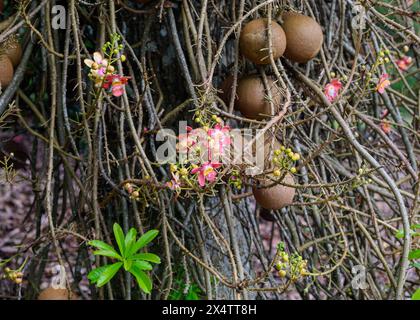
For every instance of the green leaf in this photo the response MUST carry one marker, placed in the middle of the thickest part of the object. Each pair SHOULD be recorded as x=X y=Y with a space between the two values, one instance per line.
x=94 y=275
x=142 y=265
x=128 y=264
x=193 y=292
x=144 y=240
x=143 y=279
x=119 y=237
x=414 y=254
x=108 y=273
x=416 y=295
x=399 y=234
x=107 y=253
x=130 y=239
x=146 y=257
x=415 y=265
x=101 y=245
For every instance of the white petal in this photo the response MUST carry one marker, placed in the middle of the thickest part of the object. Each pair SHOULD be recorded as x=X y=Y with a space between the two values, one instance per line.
x=88 y=62
x=97 y=57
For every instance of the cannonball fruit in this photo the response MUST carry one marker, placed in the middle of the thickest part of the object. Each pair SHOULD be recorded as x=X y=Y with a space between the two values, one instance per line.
x=304 y=37
x=254 y=42
x=275 y=197
x=252 y=99
x=6 y=71
x=57 y=294
x=13 y=51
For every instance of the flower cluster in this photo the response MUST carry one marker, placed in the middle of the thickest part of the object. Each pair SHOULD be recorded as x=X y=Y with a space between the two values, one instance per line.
x=332 y=89
x=133 y=191
x=102 y=71
x=204 y=144
x=361 y=178
x=404 y=63
x=13 y=275
x=383 y=83
x=235 y=179
x=292 y=266
x=284 y=159
x=386 y=126
x=201 y=151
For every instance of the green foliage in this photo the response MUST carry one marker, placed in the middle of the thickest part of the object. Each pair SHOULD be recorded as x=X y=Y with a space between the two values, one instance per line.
x=193 y=293
x=415 y=253
x=400 y=233
x=416 y=295
x=127 y=256
x=182 y=291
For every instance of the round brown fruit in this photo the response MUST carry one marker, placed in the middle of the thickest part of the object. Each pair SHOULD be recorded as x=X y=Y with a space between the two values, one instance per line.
x=6 y=71
x=57 y=294
x=252 y=97
x=275 y=197
x=304 y=37
x=254 y=41
x=13 y=50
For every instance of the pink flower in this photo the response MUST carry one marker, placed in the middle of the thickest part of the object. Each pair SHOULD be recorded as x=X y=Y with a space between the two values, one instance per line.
x=174 y=184
x=386 y=126
x=97 y=66
x=116 y=83
x=206 y=172
x=194 y=141
x=404 y=63
x=331 y=89
x=219 y=139
x=383 y=83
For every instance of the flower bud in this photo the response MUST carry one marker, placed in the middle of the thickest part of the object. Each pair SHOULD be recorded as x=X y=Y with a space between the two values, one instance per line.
x=282 y=273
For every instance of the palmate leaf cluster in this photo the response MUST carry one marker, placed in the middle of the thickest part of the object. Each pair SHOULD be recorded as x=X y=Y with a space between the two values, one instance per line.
x=127 y=256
